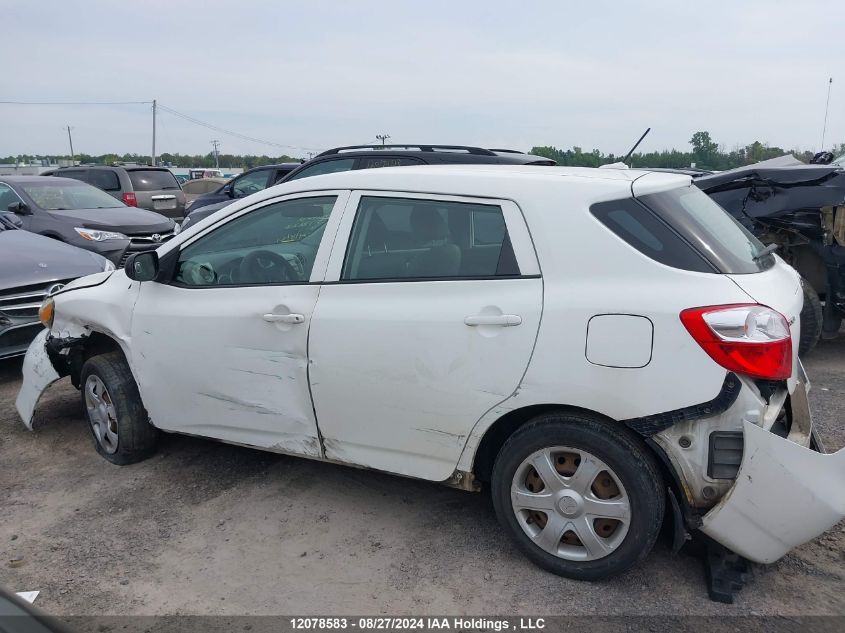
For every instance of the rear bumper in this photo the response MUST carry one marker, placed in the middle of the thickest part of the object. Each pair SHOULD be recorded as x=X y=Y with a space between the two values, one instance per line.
x=786 y=493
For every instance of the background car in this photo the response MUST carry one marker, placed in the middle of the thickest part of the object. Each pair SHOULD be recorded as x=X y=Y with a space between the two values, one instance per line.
x=197 y=187
x=31 y=267
x=247 y=183
x=152 y=188
x=370 y=156
x=71 y=211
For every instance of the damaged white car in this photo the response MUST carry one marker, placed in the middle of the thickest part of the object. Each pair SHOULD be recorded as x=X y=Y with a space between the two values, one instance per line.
x=595 y=345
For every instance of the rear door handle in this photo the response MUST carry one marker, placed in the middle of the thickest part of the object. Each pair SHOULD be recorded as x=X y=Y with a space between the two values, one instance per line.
x=505 y=320
x=284 y=318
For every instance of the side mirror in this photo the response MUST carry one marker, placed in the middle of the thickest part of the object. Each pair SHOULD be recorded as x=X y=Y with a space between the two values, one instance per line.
x=20 y=208
x=142 y=266
x=230 y=190
x=11 y=218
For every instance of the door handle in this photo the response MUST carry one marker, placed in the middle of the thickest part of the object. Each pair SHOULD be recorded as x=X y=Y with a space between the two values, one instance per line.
x=505 y=320
x=284 y=318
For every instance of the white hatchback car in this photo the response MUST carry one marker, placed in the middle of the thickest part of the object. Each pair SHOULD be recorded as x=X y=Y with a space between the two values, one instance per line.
x=590 y=343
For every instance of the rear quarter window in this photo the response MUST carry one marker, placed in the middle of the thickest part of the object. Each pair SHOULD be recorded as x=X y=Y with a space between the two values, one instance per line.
x=152 y=179
x=642 y=229
x=104 y=179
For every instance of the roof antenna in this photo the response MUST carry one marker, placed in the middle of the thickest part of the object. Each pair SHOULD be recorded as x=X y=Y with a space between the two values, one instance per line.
x=636 y=145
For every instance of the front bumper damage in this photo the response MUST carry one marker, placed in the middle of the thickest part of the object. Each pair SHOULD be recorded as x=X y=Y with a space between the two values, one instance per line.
x=785 y=494
x=38 y=374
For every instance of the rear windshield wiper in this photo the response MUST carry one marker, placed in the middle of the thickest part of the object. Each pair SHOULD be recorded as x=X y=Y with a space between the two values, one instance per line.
x=771 y=248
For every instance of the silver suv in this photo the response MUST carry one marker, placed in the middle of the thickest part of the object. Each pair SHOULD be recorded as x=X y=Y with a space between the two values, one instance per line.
x=153 y=188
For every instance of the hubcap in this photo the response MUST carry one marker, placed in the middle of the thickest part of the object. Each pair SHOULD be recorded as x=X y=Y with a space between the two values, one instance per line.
x=101 y=413
x=570 y=503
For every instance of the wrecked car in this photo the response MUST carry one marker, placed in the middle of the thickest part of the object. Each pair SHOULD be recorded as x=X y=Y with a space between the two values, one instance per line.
x=801 y=209
x=426 y=322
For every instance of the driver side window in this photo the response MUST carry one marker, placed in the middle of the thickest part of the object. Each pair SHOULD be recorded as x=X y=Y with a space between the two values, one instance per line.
x=274 y=244
x=251 y=183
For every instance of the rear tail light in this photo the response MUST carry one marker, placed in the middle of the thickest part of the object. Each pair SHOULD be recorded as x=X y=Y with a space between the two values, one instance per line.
x=129 y=199
x=749 y=339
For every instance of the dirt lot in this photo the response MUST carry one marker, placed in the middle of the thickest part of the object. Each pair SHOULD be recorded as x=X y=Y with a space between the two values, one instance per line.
x=206 y=528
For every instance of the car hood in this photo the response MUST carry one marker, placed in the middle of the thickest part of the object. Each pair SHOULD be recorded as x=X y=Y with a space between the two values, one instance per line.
x=120 y=219
x=28 y=259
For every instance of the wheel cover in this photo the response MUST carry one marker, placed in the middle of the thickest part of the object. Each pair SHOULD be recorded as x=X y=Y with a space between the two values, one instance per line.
x=570 y=503
x=101 y=413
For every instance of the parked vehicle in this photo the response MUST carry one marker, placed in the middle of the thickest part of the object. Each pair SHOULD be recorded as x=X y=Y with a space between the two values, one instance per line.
x=71 y=211
x=367 y=157
x=594 y=345
x=193 y=189
x=31 y=268
x=152 y=188
x=247 y=183
x=370 y=156
x=203 y=212
x=800 y=209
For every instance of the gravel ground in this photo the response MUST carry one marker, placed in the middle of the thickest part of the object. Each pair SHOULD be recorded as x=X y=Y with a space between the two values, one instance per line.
x=207 y=528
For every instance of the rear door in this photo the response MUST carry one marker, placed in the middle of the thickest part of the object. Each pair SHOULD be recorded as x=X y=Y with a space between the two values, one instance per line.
x=158 y=190
x=427 y=320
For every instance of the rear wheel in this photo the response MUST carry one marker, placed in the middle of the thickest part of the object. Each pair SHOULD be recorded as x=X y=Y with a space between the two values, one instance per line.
x=811 y=319
x=117 y=418
x=581 y=497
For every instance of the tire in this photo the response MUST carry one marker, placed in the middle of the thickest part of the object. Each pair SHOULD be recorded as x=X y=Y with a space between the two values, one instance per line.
x=811 y=319
x=588 y=443
x=116 y=416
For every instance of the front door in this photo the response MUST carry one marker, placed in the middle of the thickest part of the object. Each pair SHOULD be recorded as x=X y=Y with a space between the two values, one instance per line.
x=220 y=350
x=426 y=321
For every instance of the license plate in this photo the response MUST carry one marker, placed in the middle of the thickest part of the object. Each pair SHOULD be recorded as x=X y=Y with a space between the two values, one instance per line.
x=164 y=204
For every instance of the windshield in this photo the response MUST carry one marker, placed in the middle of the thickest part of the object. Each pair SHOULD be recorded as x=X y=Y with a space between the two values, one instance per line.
x=69 y=194
x=710 y=229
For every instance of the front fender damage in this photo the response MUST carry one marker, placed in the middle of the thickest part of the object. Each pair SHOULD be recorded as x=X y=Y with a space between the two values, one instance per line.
x=38 y=374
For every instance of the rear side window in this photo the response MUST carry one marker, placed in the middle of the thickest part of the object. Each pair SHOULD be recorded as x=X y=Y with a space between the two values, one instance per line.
x=371 y=162
x=104 y=179
x=326 y=167
x=404 y=238
x=650 y=235
x=728 y=245
x=152 y=179
x=76 y=174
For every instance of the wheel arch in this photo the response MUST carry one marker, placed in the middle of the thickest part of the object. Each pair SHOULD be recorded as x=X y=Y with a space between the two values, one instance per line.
x=504 y=427
x=95 y=344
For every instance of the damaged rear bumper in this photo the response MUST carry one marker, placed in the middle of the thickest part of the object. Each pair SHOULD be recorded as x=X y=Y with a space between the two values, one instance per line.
x=38 y=374
x=784 y=495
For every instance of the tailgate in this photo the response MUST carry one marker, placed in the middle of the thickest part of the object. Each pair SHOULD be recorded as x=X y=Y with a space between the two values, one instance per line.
x=780 y=289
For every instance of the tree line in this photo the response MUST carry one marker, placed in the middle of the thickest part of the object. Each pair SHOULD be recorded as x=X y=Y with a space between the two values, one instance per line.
x=704 y=152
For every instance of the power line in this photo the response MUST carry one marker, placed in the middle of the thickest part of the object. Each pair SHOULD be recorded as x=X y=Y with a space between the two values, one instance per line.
x=217 y=128
x=76 y=102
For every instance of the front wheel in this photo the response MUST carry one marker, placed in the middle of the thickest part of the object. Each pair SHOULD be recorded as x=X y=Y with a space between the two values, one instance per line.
x=580 y=496
x=117 y=418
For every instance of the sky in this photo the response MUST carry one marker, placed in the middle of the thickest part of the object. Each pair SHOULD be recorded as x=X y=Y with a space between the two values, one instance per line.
x=307 y=76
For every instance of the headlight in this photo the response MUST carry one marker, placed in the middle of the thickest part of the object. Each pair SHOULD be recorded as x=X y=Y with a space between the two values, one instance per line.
x=108 y=266
x=99 y=236
x=185 y=223
x=177 y=228
x=46 y=312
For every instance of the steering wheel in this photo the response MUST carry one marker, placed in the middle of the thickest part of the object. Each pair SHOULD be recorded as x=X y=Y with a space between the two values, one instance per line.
x=266 y=267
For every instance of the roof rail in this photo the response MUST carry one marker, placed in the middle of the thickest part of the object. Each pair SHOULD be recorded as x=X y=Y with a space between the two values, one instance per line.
x=421 y=147
x=506 y=151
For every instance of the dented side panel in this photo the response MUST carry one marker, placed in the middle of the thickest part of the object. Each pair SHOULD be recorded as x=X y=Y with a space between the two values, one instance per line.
x=207 y=363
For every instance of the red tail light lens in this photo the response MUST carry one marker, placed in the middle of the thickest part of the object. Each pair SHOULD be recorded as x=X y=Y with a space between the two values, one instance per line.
x=749 y=339
x=129 y=199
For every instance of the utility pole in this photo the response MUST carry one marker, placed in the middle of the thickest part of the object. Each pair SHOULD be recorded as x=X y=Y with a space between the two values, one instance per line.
x=382 y=137
x=216 y=144
x=827 y=105
x=70 y=140
x=153 y=157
